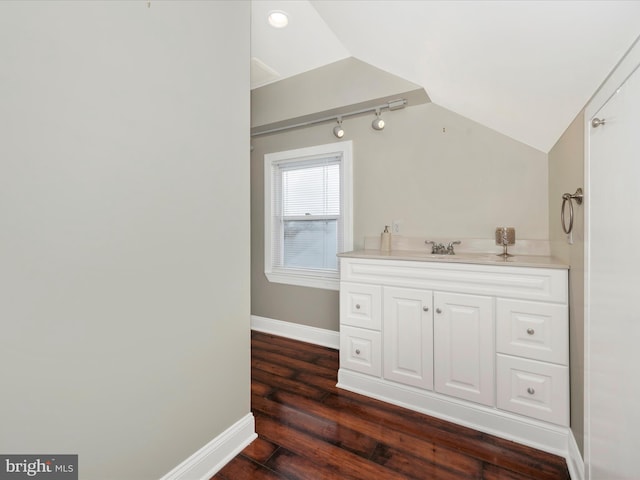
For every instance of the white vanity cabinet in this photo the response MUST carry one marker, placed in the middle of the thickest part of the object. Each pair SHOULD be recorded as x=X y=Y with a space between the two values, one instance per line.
x=483 y=343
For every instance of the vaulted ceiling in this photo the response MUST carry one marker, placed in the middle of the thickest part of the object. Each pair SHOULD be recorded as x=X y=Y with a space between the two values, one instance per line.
x=523 y=68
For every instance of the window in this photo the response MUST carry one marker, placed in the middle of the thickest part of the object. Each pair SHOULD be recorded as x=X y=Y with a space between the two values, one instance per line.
x=308 y=214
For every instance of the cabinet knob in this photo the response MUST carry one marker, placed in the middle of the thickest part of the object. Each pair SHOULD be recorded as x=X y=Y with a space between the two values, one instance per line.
x=357 y=351
x=426 y=309
x=438 y=310
x=530 y=331
x=357 y=306
x=531 y=390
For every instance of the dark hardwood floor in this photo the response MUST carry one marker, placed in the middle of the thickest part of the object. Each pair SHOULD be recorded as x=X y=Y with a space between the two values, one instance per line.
x=309 y=429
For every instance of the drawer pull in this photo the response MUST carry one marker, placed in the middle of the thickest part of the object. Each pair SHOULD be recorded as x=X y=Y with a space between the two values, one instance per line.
x=357 y=306
x=530 y=331
x=425 y=309
x=531 y=390
x=438 y=310
x=358 y=351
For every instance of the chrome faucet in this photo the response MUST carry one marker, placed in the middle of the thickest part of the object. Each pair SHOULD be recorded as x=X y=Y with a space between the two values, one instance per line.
x=436 y=248
x=441 y=249
x=450 y=247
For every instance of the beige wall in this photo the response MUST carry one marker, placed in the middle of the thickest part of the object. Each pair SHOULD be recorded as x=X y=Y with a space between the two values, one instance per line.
x=124 y=247
x=439 y=173
x=566 y=174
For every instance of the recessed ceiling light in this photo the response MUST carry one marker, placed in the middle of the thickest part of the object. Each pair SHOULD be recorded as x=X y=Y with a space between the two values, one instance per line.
x=278 y=19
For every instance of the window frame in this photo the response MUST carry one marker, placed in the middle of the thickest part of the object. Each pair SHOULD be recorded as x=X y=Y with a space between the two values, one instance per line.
x=327 y=279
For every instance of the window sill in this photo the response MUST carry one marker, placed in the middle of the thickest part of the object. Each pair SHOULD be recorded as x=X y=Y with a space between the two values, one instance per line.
x=306 y=279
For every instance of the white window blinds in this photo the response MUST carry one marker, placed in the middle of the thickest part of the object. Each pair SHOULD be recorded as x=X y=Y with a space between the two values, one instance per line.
x=307 y=221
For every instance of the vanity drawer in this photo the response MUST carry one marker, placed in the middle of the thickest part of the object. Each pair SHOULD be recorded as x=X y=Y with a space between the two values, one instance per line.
x=361 y=350
x=361 y=305
x=533 y=330
x=535 y=389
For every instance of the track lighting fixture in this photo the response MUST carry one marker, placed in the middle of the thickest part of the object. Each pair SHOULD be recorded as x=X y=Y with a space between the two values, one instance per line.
x=338 y=131
x=378 y=123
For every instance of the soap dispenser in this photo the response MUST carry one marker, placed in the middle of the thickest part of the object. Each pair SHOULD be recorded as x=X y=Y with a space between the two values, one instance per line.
x=385 y=240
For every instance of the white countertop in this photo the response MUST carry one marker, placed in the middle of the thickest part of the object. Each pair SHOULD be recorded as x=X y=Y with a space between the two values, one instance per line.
x=540 y=261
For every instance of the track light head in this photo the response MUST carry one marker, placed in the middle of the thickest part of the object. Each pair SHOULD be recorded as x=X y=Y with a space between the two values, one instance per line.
x=338 y=131
x=378 y=123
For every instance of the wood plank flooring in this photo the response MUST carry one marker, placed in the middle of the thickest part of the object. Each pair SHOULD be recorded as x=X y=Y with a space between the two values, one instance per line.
x=310 y=429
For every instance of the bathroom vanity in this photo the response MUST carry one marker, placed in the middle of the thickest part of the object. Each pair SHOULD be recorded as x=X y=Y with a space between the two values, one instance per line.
x=476 y=339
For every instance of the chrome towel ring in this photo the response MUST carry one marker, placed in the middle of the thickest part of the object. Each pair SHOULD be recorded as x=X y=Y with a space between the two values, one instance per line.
x=567 y=197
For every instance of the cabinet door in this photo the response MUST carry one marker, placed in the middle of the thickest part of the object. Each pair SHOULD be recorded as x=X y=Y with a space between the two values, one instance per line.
x=408 y=336
x=464 y=349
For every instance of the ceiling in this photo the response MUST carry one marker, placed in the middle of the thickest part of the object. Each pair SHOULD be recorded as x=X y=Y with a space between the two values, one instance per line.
x=523 y=68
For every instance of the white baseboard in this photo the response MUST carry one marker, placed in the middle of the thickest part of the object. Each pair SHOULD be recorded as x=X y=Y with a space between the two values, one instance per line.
x=207 y=461
x=574 y=460
x=304 y=333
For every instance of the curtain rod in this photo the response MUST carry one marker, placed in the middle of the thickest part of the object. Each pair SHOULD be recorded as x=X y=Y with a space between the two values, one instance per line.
x=394 y=105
